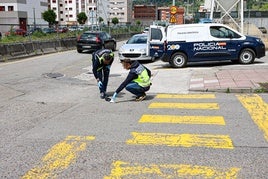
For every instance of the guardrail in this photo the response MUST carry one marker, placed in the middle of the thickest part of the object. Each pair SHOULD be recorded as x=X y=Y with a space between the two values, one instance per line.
x=29 y=49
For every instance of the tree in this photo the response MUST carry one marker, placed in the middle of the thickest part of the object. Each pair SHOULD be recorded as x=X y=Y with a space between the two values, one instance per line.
x=138 y=22
x=49 y=16
x=100 y=20
x=115 y=20
x=82 y=18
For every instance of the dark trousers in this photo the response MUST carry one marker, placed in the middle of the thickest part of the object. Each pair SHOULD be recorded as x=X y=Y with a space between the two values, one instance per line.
x=103 y=75
x=136 y=89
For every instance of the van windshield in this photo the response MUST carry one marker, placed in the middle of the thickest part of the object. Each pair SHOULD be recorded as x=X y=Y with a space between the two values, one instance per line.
x=222 y=32
x=156 y=34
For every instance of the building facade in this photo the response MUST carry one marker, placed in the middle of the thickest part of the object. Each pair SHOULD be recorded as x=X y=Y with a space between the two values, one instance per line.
x=121 y=9
x=21 y=14
x=145 y=13
x=67 y=10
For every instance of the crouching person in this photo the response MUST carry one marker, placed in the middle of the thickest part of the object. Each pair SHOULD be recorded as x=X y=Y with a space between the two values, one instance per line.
x=137 y=82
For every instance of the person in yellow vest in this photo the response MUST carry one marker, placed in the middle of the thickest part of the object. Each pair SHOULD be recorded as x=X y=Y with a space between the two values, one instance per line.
x=137 y=82
x=101 y=64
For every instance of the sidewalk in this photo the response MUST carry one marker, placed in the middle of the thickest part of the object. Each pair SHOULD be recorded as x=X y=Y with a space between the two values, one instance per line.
x=231 y=80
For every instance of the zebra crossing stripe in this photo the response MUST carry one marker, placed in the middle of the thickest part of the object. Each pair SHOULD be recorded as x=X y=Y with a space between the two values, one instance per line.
x=182 y=140
x=209 y=120
x=257 y=109
x=185 y=105
x=187 y=96
x=121 y=169
x=59 y=157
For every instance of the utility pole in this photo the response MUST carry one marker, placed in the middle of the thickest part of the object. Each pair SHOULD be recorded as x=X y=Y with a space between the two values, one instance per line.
x=34 y=18
x=97 y=13
x=173 y=3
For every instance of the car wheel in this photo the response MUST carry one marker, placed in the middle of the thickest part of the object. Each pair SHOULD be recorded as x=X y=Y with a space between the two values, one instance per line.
x=79 y=51
x=247 y=56
x=178 y=60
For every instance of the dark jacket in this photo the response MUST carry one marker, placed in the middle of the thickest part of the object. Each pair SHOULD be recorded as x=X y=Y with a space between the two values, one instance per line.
x=97 y=61
x=131 y=76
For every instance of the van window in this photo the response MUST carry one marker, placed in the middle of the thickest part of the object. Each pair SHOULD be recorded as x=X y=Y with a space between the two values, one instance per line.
x=222 y=32
x=156 y=34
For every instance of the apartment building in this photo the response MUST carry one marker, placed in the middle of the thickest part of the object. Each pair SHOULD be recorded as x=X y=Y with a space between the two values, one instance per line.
x=67 y=10
x=25 y=13
x=21 y=14
x=145 y=13
x=121 y=9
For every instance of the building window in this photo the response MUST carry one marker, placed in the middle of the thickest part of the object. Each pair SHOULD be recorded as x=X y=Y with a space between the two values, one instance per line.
x=2 y=8
x=70 y=15
x=53 y=1
x=70 y=9
x=10 y=8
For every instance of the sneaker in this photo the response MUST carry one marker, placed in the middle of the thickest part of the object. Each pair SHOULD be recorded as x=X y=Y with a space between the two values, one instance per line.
x=140 y=98
x=102 y=95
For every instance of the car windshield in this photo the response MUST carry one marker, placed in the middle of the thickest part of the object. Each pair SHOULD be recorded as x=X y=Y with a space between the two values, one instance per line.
x=88 y=35
x=142 y=39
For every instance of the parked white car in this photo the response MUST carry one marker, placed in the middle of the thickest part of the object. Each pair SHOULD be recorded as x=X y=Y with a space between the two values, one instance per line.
x=135 y=48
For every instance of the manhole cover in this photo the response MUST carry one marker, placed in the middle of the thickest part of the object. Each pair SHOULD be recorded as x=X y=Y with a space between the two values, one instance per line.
x=54 y=75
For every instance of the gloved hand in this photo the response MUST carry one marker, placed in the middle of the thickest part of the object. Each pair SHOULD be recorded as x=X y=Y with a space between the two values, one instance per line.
x=100 y=84
x=113 y=98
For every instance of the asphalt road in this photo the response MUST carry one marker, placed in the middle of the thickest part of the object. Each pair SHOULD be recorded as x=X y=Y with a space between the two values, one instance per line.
x=53 y=124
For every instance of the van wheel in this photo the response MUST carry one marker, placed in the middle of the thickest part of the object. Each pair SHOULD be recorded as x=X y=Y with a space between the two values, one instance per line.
x=247 y=56
x=178 y=60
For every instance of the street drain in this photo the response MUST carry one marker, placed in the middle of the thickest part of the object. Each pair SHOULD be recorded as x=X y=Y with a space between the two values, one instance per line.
x=54 y=75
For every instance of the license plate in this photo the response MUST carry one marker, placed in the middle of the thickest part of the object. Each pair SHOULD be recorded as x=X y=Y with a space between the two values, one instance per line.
x=87 y=46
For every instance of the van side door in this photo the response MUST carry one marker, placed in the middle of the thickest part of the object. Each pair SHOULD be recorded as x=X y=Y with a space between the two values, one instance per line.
x=156 y=41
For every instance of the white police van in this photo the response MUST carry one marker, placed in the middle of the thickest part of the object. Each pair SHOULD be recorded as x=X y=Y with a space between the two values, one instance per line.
x=179 y=44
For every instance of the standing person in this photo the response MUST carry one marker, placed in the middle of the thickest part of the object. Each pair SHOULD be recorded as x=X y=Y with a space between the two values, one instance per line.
x=137 y=82
x=101 y=64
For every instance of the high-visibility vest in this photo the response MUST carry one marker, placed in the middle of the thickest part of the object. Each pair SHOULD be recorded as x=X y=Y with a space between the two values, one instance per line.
x=143 y=78
x=101 y=59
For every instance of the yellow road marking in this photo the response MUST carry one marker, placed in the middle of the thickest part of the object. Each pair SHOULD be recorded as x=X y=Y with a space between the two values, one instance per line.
x=181 y=140
x=123 y=169
x=59 y=157
x=216 y=120
x=185 y=105
x=257 y=109
x=187 y=96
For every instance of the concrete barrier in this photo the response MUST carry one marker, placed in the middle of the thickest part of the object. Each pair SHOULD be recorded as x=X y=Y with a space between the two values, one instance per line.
x=28 y=49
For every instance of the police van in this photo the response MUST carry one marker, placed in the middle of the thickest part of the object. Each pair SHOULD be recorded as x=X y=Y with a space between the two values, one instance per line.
x=179 y=44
